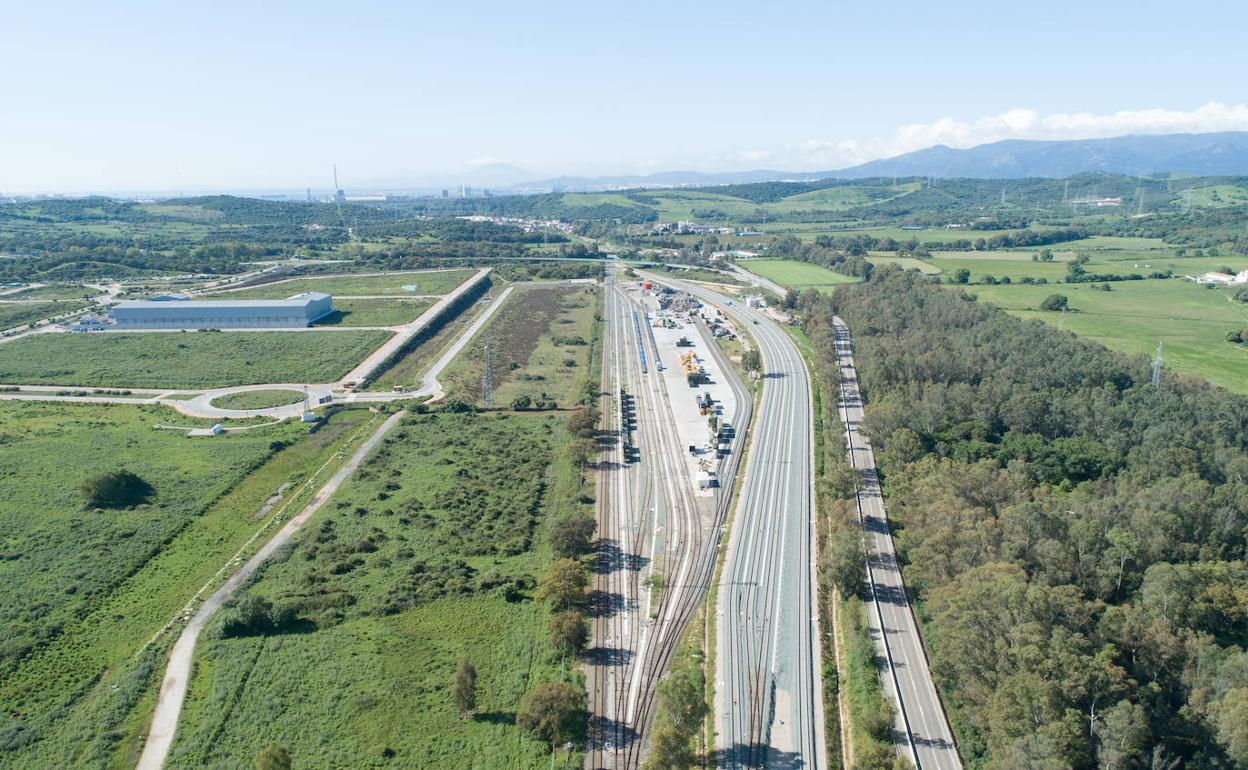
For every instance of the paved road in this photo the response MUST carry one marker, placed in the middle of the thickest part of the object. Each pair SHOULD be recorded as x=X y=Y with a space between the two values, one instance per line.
x=177 y=674
x=769 y=697
x=922 y=730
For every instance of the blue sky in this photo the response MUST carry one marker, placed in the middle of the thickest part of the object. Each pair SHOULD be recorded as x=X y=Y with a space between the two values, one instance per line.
x=232 y=95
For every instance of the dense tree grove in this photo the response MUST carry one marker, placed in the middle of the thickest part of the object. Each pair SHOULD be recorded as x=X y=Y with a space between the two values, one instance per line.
x=1075 y=537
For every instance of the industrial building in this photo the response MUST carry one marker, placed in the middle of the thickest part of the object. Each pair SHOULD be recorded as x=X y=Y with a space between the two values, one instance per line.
x=178 y=312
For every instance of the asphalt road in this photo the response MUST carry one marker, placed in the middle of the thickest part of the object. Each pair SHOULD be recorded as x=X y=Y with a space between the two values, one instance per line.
x=769 y=702
x=922 y=730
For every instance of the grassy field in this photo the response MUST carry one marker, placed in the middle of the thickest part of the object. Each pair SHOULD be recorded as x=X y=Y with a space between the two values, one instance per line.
x=258 y=399
x=999 y=268
x=21 y=313
x=1134 y=316
x=375 y=312
x=54 y=291
x=411 y=367
x=410 y=566
x=82 y=591
x=540 y=345
x=428 y=282
x=184 y=360
x=905 y=263
x=796 y=275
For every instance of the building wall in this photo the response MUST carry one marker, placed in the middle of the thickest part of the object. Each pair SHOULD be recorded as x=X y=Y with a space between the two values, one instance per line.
x=186 y=315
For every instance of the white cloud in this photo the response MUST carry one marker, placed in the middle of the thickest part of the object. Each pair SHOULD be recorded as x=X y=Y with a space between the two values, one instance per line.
x=1018 y=123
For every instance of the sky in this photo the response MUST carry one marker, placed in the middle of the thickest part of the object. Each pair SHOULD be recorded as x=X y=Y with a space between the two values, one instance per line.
x=133 y=96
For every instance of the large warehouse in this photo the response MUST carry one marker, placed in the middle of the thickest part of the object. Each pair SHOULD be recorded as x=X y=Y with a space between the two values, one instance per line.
x=178 y=312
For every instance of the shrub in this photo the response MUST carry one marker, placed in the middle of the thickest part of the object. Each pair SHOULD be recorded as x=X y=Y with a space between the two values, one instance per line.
x=117 y=489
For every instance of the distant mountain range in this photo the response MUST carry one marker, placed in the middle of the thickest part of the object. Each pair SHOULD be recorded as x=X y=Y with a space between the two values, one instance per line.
x=1214 y=154
x=1220 y=154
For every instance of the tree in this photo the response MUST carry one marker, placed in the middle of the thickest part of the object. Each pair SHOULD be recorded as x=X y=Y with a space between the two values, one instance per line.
x=1054 y=302
x=791 y=298
x=583 y=423
x=962 y=275
x=521 y=402
x=847 y=560
x=1233 y=724
x=116 y=489
x=272 y=757
x=681 y=709
x=464 y=688
x=552 y=712
x=752 y=361
x=572 y=535
x=569 y=633
x=1123 y=736
x=564 y=585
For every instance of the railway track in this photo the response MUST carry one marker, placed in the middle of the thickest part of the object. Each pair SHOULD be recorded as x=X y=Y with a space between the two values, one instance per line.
x=649 y=520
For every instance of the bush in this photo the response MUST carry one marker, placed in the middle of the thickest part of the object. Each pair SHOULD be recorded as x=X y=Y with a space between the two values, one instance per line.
x=118 y=489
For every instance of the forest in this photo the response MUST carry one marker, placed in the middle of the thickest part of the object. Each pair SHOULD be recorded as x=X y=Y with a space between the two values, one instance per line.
x=1074 y=536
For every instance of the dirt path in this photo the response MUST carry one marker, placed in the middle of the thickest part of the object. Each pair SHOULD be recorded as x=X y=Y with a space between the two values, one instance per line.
x=177 y=674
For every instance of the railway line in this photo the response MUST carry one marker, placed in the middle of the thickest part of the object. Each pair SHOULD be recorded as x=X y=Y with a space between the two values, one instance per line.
x=650 y=524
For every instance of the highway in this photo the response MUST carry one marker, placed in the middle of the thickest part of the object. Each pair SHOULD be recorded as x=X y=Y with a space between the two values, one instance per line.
x=922 y=728
x=768 y=689
x=650 y=525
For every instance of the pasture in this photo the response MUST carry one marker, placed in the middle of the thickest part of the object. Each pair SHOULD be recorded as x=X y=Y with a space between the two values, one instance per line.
x=1134 y=316
x=184 y=359
x=796 y=275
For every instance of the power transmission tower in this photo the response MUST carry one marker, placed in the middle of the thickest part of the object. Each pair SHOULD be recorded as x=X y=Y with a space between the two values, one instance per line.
x=1157 y=368
x=487 y=379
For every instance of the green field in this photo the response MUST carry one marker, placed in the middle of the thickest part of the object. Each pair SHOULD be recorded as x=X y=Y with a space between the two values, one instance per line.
x=184 y=360
x=375 y=312
x=423 y=283
x=21 y=313
x=1191 y=321
x=905 y=263
x=695 y=274
x=999 y=268
x=796 y=275
x=540 y=345
x=258 y=399
x=54 y=291
x=410 y=566
x=81 y=591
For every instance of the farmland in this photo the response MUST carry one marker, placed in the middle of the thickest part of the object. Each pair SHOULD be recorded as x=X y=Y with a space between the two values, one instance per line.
x=83 y=590
x=796 y=275
x=540 y=347
x=429 y=553
x=375 y=312
x=184 y=360
x=423 y=283
x=1190 y=320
